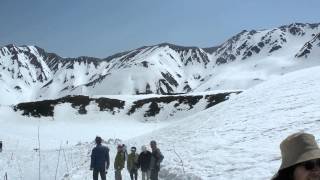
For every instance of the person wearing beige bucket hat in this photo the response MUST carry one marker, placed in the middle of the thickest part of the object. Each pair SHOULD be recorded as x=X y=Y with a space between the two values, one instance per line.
x=300 y=158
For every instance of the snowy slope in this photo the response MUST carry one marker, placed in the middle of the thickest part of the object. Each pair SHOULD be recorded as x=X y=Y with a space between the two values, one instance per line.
x=73 y=132
x=236 y=139
x=75 y=121
x=239 y=138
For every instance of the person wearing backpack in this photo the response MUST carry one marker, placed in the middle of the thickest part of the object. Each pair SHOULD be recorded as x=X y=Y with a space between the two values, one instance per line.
x=99 y=160
x=156 y=159
x=144 y=163
x=132 y=163
x=119 y=162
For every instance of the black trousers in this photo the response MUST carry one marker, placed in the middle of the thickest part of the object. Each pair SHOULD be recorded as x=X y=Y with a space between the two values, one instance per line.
x=133 y=172
x=102 y=174
x=154 y=174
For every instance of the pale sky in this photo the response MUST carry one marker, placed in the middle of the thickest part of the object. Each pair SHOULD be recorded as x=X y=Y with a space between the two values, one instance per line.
x=100 y=28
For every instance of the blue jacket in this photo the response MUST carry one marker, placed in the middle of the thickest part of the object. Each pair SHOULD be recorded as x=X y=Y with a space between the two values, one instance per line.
x=100 y=157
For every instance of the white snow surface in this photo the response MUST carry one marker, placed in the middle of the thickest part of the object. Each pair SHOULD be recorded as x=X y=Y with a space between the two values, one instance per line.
x=236 y=139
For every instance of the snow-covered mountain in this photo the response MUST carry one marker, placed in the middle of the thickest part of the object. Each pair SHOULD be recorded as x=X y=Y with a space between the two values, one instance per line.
x=29 y=73
x=252 y=57
x=265 y=42
x=160 y=69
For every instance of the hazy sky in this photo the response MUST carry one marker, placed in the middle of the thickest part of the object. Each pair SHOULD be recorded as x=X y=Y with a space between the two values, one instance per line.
x=101 y=28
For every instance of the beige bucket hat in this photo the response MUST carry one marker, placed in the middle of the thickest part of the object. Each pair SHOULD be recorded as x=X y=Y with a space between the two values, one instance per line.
x=297 y=148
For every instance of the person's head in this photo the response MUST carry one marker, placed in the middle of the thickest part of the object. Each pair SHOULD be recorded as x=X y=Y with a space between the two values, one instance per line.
x=144 y=148
x=300 y=158
x=133 y=149
x=98 y=140
x=153 y=144
x=119 y=148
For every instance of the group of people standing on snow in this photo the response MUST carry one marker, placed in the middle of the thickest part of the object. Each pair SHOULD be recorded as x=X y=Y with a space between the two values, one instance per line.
x=300 y=156
x=148 y=162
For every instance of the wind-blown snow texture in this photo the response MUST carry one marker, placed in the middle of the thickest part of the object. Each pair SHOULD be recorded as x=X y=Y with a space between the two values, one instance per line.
x=29 y=73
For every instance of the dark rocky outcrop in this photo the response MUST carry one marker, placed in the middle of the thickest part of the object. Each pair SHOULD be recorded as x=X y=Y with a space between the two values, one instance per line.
x=45 y=108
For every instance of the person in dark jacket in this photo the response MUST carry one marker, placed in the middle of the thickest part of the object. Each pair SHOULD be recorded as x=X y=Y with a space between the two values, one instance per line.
x=132 y=163
x=156 y=159
x=144 y=163
x=100 y=160
x=119 y=162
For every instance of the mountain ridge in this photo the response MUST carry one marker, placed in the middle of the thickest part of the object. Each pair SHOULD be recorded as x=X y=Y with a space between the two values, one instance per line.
x=28 y=73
